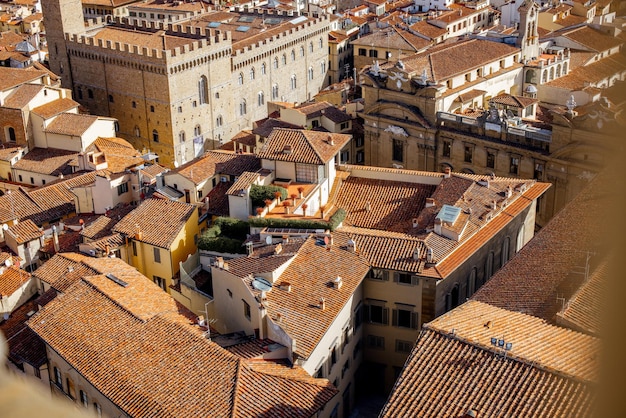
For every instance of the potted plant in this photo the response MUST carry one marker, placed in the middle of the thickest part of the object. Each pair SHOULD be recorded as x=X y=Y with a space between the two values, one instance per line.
x=304 y=206
x=293 y=198
x=286 y=205
x=268 y=202
x=277 y=196
x=300 y=190
x=259 y=211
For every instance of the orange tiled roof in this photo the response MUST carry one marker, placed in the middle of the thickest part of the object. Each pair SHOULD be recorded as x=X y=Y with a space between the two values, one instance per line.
x=215 y=383
x=310 y=274
x=590 y=38
x=21 y=96
x=218 y=162
x=49 y=161
x=307 y=147
x=584 y=310
x=12 y=279
x=55 y=107
x=12 y=77
x=531 y=281
x=24 y=345
x=159 y=220
x=25 y=231
x=549 y=371
x=71 y=124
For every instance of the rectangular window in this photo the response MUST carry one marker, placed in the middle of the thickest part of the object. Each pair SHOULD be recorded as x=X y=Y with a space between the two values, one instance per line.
x=446 y=148
x=160 y=281
x=538 y=174
x=404 y=318
x=376 y=342
x=491 y=159
x=404 y=346
x=345 y=368
x=468 y=154
x=360 y=156
x=358 y=316
x=373 y=53
x=345 y=338
x=58 y=379
x=83 y=399
x=377 y=314
x=362 y=52
x=358 y=141
x=246 y=309
x=122 y=188
x=377 y=274
x=306 y=173
x=157 y=254
x=357 y=348
x=514 y=167
x=134 y=244
x=71 y=391
x=398 y=150
x=343 y=126
x=404 y=278
x=32 y=180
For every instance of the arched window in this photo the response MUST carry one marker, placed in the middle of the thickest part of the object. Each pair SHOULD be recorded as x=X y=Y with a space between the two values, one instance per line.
x=137 y=131
x=242 y=108
x=90 y=93
x=310 y=46
x=275 y=91
x=544 y=76
x=10 y=133
x=293 y=55
x=323 y=67
x=321 y=43
x=301 y=51
x=181 y=136
x=471 y=283
x=261 y=98
x=203 y=90
x=252 y=75
x=294 y=83
x=505 y=250
x=552 y=73
x=155 y=135
x=558 y=70
x=263 y=69
x=240 y=79
x=275 y=62
x=197 y=131
x=79 y=91
x=530 y=75
x=520 y=238
x=219 y=121
x=284 y=59
x=489 y=266
x=564 y=68
x=310 y=73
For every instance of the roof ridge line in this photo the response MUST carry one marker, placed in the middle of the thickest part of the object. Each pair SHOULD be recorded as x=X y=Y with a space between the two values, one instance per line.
x=233 y=411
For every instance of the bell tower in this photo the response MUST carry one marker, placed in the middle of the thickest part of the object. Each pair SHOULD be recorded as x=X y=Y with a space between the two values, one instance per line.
x=528 y=37
x=62 y=17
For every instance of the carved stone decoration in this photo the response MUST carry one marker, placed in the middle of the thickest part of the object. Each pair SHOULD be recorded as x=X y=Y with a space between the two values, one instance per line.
x=396 y=130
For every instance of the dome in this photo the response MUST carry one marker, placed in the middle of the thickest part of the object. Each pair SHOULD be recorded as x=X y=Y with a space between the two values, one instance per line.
x=531 y=89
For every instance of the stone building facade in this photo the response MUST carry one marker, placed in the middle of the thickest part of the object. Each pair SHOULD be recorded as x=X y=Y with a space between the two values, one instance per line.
x=180 y=89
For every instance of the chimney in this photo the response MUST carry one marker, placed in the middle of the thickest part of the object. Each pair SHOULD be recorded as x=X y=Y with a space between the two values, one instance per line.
x=107 y=250
x=416 y=254
x=351 y=245
x=437 y=226
x=330 y=140
x=286 y=286
x=219 y=262
x=446 y=173
x=279 y=318
x=415 y=223
x=494 y=205
x=429 y=255
x=322 y=304
x=55 y=238
x=509 y=191
x=338 y=282
x=430 y=202
x=138 y=233
x=287 y=149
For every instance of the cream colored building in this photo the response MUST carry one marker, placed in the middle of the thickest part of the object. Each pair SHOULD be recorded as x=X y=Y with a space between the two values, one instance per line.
x=210 y=79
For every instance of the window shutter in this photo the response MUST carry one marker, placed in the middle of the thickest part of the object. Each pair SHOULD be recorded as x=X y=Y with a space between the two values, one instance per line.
x=396 y=276
x=385 y=275
x=386 y=316
x=415 y=280
x=394 y=317
x=414 y=323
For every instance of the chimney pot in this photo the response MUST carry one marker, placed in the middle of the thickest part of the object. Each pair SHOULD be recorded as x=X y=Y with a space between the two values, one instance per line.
x=446 y=173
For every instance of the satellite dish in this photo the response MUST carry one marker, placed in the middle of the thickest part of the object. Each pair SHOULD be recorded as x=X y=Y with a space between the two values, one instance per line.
x=259 y=283
x=5 y=227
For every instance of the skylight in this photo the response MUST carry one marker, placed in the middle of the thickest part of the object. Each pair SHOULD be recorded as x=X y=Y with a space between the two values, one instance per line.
x=214 y=24
x=243 y=29
x=449 y=214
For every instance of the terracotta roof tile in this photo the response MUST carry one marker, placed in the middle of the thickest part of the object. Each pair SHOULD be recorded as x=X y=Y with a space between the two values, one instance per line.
x=12 y=279
x=218 y=162
x=164 y=382
x=218 y=199
x=55 y=107
x=24 y=345
x=25 y=231
x=531 y=281
x=306 y=147
x=13 y=77
x=310 y=274
x=21 y=96
x=265 y=129
x=549 y=371
x=243 y=182
x=71 y=124
x=49 y=161
x=159 y=220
